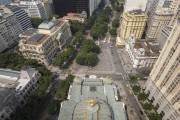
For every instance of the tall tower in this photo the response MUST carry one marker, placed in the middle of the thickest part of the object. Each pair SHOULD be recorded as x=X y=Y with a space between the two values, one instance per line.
x=163 y=84
x=159 y=15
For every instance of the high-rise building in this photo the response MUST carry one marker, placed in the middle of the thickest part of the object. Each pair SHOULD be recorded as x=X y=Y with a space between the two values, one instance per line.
x=33 y=8
x=175 y=7
x=10 y=28
x=133 y=22
x=159 y=16
x=92 y=99
x=163 y=84
x=48 y=7
x=62 y=7
x=5 y=2
x=22 y=16
x=163 y=35
x=131 y=5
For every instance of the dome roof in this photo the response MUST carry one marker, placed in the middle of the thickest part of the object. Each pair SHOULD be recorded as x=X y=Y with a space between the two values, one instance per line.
x=99 y=111
x=46 y=25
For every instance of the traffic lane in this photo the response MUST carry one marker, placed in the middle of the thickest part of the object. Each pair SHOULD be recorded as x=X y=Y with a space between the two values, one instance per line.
x=133 y=101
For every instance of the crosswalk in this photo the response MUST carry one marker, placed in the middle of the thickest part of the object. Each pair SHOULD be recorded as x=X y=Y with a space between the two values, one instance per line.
x=125 y=76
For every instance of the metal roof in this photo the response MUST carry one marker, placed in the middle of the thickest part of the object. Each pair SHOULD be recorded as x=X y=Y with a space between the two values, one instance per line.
x=105 y=106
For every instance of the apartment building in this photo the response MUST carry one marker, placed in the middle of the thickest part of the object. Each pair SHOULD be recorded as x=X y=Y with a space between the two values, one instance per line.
x=35 y=9
x=42 y=43
x=142 y=53
x=22 y=16
x=133 y=22
x=163 y=84
x=15 y=87
x=81 y=17
x=10 y=28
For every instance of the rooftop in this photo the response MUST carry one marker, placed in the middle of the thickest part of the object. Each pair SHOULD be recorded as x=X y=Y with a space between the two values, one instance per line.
x=92 y=98
x=29 y=32
x=136 y=12
x=46 y=25
x=151 y=48
x=37 y=39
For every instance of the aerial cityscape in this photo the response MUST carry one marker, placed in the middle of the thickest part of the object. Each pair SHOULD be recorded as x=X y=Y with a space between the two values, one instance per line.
x=89 y=59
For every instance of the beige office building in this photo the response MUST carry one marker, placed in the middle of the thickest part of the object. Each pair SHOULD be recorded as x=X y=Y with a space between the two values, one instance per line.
x=133 y=22
x=163 y=85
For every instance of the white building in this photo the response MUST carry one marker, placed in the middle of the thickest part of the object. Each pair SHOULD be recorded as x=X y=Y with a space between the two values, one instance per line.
x=15 y=87
x=35 y=9
x=142 y=53
x=133 y=5
x=10 y=28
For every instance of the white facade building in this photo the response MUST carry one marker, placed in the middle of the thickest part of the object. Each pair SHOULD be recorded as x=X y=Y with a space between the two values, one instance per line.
x=10 y=28
x=15 y=87
x=133 y=5
x=143 y=54
x=35 y=9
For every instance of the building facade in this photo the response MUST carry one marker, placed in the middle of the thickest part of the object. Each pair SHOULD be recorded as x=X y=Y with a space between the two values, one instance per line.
x=143 y=54
x=162 y=37
x=15 y=87
x=42 y=43
x=62 y=7
x=35 y=9
x=10 y=28
x=163 y=84
x=159 y=16
x=92 y=98
x=133 y=22
x=22 y=16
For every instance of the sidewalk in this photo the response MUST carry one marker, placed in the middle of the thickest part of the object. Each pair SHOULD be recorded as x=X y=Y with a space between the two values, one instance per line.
x=126 y=61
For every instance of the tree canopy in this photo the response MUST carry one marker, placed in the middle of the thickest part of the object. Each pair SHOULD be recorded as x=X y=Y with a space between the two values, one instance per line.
x=36 y=22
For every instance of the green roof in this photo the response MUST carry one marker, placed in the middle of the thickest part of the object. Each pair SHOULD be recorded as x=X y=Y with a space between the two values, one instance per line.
x=104 y=94
x=46 y=25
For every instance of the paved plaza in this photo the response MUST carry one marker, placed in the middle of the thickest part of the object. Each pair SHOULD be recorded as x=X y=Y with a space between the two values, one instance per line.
x=104 y=66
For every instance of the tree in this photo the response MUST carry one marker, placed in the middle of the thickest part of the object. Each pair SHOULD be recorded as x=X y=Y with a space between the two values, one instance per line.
x=81 y=58
x=89 y=46
x=36 y=22
x=147 y=106
x=113 y=32
x=115 y=23
x=91 y=59
x=133 y=78
x=75 y=26
x=142 y=96
x=154 y=116
x=136 y=88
